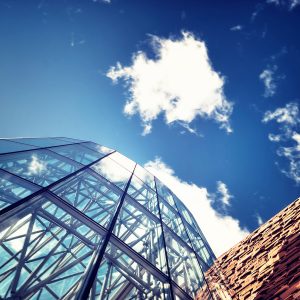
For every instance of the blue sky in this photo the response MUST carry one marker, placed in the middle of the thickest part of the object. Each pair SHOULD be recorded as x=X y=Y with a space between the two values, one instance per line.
x=193 y=71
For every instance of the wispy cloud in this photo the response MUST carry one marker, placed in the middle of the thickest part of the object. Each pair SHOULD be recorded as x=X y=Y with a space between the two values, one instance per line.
x=222 y=231
x=103 y=1
x=267 y=77
x=258 y=9
x=179 y=82
x=259 y=220
x=224 y=193
x=236 y=28
x=290 y=4
x=289 y=122
x=288 y=115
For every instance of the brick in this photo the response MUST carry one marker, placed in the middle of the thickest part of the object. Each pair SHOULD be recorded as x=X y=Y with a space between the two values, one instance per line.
x=266 y=264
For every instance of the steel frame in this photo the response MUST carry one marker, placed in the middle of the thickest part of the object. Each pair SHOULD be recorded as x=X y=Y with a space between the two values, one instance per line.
x=71 y=233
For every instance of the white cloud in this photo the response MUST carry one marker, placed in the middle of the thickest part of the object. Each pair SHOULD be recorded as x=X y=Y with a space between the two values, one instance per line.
x=36 y=166
x=190 y=129
x=221 y=231
x=274 y=137
x=289 y=120
x=267 y=77
x=236 y=28
x=224 y=193
x=103 y=1
x=290 y=4
x=287 y=115
x=179 y=82
x=259 y=220
x=292 y=153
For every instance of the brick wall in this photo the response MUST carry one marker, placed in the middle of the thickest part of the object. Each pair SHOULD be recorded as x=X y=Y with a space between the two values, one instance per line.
x=265 y=265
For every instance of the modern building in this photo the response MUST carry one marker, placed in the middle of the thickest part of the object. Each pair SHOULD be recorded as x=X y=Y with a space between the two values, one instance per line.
x=81 y=221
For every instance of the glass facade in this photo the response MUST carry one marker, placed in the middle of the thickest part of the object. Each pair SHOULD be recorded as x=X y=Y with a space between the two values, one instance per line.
x=82 y=221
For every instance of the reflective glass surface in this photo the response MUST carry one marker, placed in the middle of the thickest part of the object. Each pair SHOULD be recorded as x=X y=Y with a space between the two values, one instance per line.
x=68 y=140
x=112 y=171
x=172 y=219
x=142 y=233
x=123 y=161
x=90 y=194
x=41 y=142
x=82 y=219
x=9 y=146
x=44 y=252
x=13 y=189
x=98 y=148
x=184 y=268
x=142 y=193
x=164 y=192
x=145 y=176
x=78 y=153
x=40 y=166
x=120 y=276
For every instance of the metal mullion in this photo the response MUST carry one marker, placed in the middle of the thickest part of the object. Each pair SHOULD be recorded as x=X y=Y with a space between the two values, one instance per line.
x=110 y=184
x=164 y=244
x=86 y=186
x=46 y=215
x=128 y=273
x=71 y=160
x=36 y=147
x=180 y=240
x=93 y=200
x=38 y=246
x=92 y=273
x=76 y=213
x=46 y=258
x=44 y=189
x=193 y=250
x=53 y=275
x=129 y=228
x=142 y=208
x=24 y=181
x=199 y=231
x=144 y=182
x=23 y=253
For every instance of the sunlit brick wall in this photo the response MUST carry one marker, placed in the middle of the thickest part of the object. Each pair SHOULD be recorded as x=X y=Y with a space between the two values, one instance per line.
x=265 y=265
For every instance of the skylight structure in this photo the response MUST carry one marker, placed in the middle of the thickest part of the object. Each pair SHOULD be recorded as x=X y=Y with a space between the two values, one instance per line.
x=82 y=221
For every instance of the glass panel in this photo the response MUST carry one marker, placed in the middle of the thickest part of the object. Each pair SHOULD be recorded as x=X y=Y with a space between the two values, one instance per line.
x=145 y=176
x=44 y=253
x=68 y=140
x=123 y=161
x=142 y=233
x=185 y=213
x=40 y=166
x=164 y=192
x=98 y=148
x=198 y=240
x=184 y=268
x=92 y=195
x=40 y=142
x=172 y=219
x=120 y=276
x=200 y=247
x=9 y=146
x=143 y=194
x=112 y=171
x=78 y=153
x=13 y=189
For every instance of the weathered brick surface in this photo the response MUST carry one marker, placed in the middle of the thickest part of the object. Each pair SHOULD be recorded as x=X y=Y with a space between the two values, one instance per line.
x=265 y=265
